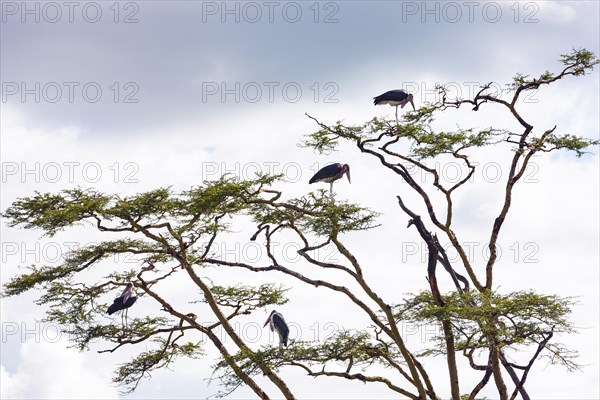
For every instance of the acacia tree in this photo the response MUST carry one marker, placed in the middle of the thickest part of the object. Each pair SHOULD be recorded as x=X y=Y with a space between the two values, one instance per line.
x=174 y=234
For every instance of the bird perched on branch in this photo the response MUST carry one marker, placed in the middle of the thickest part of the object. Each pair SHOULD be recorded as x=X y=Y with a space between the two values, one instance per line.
x=395 y=98
x=123 y=302
x=331 y=173
x=277 y=323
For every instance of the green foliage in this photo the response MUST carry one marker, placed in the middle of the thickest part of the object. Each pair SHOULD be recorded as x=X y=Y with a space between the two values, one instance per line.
x=577 y=63
x=130 y=373
x=546 y=76
x=430 y=144
x=423 y=140
x=481 y=307
x=75 y=261
x=316 y=213
x=150 y=205
x=426 y=143
x=518 y=80
x=580 y=61
x=54 y=212
x=329 y=218
x=357 y=347
x=226 y=195
x=24 y=282
x=326 y=140
x=249 y=297
x=566 y=141
x=344 y=345
x=507 y=319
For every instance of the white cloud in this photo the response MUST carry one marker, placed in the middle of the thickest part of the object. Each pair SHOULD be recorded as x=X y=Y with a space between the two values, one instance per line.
x=51 y=371
x=553 y=11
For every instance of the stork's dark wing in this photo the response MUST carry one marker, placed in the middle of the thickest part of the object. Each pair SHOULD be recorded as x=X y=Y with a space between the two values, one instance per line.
x=327 y=171
x=392 y=95
x=130 y=301
x=118 y=304
x=281 y=327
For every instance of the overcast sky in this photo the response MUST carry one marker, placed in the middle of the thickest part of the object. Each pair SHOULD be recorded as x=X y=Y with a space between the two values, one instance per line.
x=126 y=97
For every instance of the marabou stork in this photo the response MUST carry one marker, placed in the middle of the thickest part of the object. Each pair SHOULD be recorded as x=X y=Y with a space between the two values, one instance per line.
x=123 y=302
x=276 y=322
x=331 y=173
x=395 y=98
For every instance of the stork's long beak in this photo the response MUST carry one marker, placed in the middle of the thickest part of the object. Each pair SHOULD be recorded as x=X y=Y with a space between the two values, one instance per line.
x=409 y=99
x=267 y=323
x=348 y=175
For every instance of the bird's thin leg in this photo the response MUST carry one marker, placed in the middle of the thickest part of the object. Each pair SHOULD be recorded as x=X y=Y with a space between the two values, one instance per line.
x=396 y=115
x=331 y=190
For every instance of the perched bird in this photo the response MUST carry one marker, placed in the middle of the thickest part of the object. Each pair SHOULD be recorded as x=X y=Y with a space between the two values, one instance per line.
x=395 y=98
x=124 y=301
x=331 y=173
x=276 y=322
